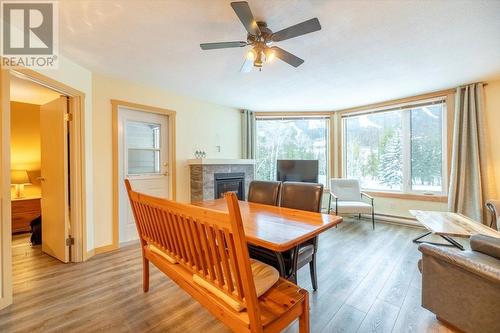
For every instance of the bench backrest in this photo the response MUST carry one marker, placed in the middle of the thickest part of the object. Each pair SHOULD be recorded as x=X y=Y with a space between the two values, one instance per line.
x=205 y=242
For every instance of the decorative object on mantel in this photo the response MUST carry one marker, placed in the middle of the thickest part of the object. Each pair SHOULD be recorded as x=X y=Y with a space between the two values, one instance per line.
x=200 y=154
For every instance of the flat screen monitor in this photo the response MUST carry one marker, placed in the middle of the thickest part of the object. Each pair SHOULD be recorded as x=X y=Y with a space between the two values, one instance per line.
x=297 y=171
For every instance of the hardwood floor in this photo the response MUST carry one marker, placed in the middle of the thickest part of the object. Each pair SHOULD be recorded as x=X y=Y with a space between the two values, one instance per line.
x=368 y=282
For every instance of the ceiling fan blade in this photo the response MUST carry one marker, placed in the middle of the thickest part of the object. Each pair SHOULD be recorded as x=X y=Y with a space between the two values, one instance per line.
x=297 y=30
x=287 y=56
x=247 y=65
x=221 y=45
x=245 y=15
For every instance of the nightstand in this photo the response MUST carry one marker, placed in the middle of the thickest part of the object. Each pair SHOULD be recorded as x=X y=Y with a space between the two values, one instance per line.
x=24 y=210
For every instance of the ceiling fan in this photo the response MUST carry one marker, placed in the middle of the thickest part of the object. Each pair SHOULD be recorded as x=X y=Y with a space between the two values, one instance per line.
x=260 y=37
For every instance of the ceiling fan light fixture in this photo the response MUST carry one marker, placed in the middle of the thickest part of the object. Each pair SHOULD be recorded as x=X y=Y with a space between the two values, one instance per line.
x=270 y=55
x=259 y=59
x=251 y=55
x=261 y=39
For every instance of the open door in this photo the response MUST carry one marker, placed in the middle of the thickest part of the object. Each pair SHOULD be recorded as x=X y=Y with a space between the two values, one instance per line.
x=54 y=178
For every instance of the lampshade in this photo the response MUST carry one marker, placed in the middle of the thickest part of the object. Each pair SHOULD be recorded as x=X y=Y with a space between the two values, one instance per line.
x=19 y=177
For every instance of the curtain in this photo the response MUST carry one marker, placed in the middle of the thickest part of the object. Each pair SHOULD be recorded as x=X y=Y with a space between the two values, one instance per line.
x=468 y=178
x=247 y=134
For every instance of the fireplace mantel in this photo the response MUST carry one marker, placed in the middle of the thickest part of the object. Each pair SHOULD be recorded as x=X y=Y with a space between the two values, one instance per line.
x=220 y=161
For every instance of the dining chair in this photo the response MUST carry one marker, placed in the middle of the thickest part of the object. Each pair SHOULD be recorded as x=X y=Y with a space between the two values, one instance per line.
x=303 y=196
x=349 y=198
x=267 y=193
x=264 y=192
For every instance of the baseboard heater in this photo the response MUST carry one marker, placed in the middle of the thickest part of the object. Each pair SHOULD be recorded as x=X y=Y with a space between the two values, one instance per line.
x=407 y=221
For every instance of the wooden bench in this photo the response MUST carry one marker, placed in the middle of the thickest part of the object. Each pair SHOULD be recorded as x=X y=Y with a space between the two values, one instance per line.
x=187 y=242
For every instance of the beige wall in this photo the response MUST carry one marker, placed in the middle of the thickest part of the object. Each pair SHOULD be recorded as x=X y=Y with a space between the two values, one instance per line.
x=25 y=136
x=200 y=125
x=25 y=143
x=401 y=207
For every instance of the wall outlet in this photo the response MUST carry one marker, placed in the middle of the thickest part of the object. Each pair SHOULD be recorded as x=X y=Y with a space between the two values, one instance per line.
x=217 y=149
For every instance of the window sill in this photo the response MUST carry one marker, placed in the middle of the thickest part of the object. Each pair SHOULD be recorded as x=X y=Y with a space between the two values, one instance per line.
x=407 y=196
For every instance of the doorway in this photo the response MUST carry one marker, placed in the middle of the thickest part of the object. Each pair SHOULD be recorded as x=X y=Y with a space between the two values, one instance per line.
x=143 y=145
x=76 y=169
x=40 y=168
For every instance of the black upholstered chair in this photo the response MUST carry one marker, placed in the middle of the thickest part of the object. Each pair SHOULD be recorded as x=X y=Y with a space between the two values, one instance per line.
x=264 y=192
x=303 y=196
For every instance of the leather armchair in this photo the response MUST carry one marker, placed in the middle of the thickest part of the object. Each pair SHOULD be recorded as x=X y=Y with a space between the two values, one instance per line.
x=463 y=287
x=264 y=192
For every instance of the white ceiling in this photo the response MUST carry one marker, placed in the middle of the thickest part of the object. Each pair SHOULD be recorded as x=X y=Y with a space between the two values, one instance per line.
x=26 y=91
x=367 y=51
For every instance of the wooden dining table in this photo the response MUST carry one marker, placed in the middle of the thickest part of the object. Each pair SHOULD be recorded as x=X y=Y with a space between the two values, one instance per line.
x=275 y=228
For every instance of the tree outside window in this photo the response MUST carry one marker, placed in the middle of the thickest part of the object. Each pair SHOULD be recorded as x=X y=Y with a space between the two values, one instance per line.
x=399 y=150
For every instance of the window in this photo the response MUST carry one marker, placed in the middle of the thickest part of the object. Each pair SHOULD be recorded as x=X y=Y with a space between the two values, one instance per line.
x=298 y=138
x=143 y=148
x=398 y=149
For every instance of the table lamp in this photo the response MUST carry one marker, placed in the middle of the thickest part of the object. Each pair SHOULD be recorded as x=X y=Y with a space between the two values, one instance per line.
x=19 y=178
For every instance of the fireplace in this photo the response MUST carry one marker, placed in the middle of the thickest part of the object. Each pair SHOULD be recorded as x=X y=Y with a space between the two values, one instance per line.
x=202 y=174
x=229 y=182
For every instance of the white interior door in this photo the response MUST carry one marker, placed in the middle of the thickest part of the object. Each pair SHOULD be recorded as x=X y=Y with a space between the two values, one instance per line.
x=142 y=158
x=54 y=178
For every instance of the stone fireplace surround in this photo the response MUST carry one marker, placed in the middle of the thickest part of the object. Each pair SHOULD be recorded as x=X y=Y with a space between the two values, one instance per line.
x=203 y=170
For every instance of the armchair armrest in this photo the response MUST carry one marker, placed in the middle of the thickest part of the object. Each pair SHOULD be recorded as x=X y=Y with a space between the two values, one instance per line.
x=473 y=262
x=363 y=194
x=485 y=244
x=494 y=207
x=332 y=195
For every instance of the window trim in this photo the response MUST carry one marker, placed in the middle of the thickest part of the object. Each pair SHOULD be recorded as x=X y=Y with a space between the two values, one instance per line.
x=446 y=97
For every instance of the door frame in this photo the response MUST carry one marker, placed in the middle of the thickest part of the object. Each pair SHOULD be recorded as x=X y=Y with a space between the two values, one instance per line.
x=170 y=114
x=77 y=174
